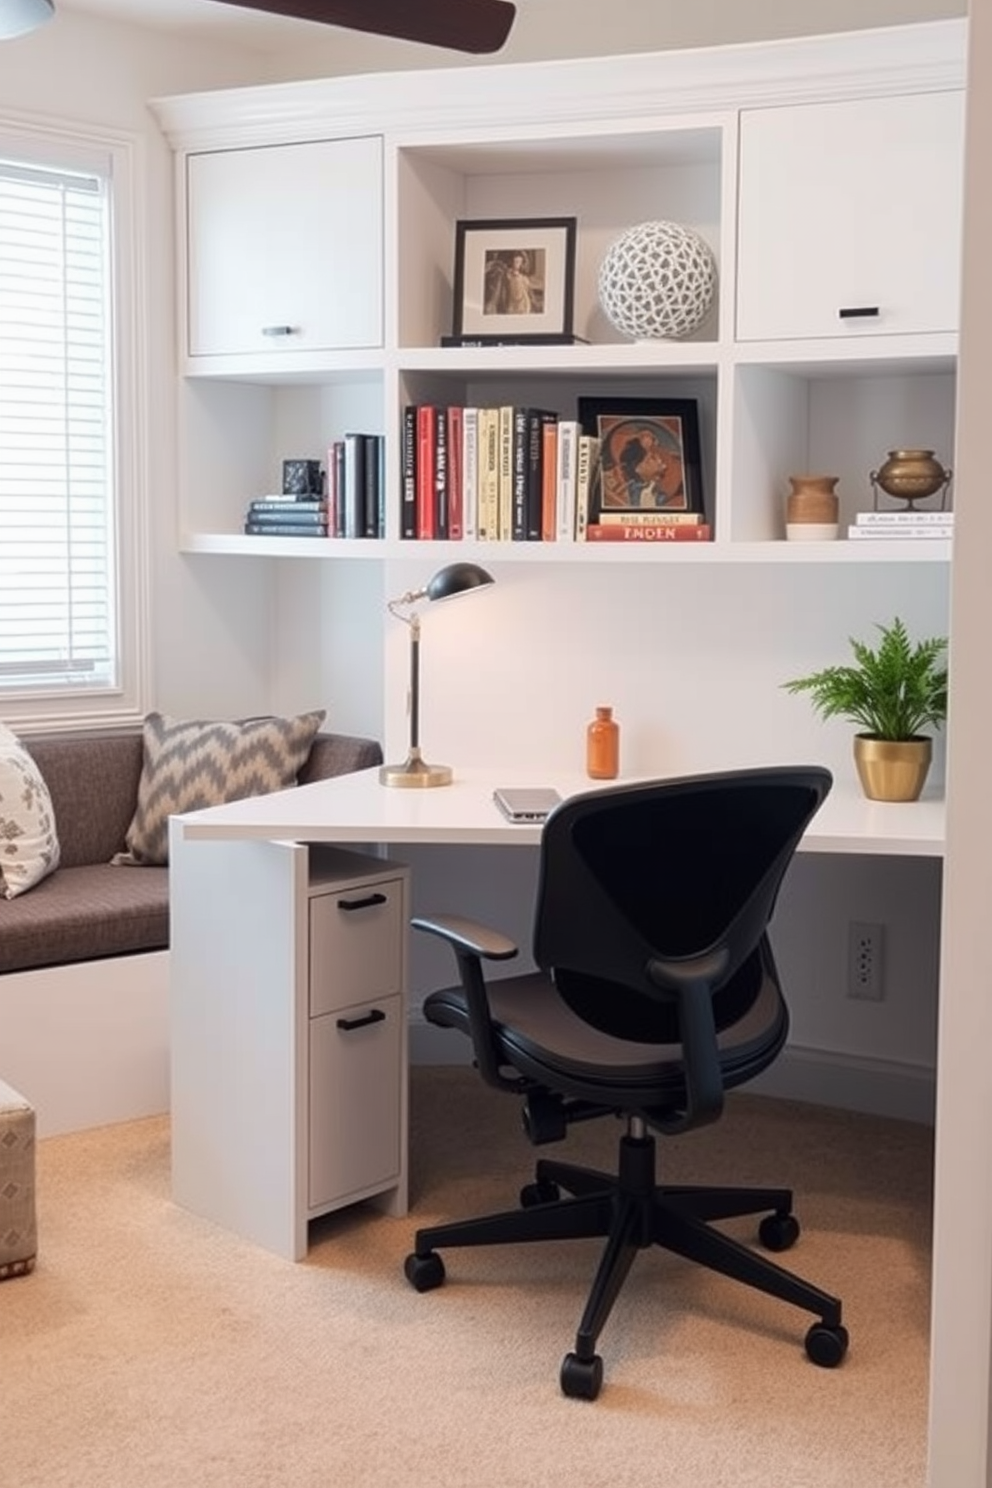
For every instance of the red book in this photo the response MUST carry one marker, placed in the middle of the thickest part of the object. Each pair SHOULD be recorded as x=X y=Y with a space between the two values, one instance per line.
x=650 y=532
x=426 y=470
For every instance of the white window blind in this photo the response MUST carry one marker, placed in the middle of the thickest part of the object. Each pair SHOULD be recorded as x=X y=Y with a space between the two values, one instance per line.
x=58 y=582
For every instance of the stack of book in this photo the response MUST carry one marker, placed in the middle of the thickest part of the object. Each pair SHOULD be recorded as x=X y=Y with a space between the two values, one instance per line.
x=649 y=526
x=287 y=516
x=902 y=524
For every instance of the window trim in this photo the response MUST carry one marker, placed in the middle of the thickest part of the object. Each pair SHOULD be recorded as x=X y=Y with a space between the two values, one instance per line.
x=54 y=143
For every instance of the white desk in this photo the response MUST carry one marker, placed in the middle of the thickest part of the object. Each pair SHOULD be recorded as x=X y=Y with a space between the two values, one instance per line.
x=356 y=808
x=250 y=1107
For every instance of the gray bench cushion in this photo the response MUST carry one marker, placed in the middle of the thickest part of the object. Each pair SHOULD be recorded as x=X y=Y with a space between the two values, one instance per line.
x=84 y=913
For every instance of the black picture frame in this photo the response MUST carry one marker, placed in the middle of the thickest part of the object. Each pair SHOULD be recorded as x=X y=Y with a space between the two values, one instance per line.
x=514 y=282
x=668 y=477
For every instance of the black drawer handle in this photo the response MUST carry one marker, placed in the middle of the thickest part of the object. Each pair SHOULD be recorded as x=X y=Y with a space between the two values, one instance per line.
x=855 y=312
x=348 y=1025
x=279 y=330
x=369 y=902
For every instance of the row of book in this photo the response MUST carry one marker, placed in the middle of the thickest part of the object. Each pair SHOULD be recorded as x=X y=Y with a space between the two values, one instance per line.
x=351 y=504
x=902 y=524
x=514 y=473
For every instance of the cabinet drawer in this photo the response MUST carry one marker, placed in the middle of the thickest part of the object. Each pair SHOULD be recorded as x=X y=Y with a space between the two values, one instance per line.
x=355 y=1094
x=356 y=945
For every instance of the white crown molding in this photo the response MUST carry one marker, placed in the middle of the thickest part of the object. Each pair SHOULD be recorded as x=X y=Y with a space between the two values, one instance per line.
x=430 y=103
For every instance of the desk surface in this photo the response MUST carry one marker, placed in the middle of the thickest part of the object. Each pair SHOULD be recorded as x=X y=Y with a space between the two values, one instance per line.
x=356 y=808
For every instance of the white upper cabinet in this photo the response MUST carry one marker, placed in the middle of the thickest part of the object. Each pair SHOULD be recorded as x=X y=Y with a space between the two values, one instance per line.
x=285 y=248
x=850 y=217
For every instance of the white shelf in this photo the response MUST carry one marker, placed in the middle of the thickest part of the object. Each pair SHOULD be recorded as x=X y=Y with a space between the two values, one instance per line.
x=843 y=552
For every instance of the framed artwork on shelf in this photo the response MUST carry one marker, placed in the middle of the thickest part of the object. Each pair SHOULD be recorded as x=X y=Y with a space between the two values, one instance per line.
x=649 y=459
x=514 y=282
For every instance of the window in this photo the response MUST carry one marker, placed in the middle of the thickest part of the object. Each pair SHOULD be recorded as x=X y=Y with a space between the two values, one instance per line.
x=70 y=639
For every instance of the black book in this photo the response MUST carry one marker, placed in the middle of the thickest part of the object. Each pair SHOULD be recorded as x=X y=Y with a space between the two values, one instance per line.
x=537 y=419
x=408 y=473
x=441 y=475
x=372 y=457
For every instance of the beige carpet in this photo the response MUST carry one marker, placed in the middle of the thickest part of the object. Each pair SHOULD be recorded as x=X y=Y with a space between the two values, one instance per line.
x=150 y=1348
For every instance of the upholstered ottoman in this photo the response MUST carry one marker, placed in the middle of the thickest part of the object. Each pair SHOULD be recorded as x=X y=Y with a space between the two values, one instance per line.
x=18 y=1231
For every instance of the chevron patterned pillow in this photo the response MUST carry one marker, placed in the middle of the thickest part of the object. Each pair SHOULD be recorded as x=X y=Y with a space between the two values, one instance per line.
x=189 y=765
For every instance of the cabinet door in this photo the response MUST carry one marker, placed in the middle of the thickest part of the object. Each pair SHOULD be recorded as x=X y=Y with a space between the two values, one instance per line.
x=285 y=248
x=852 y=206
x=355 y=1093
x=356 y=945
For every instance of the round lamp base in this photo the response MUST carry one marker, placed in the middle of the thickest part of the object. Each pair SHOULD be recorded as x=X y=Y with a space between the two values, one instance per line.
x=415 y=773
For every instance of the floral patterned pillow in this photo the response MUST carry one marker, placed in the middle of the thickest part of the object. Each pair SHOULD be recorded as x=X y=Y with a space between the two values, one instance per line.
x=29 y=844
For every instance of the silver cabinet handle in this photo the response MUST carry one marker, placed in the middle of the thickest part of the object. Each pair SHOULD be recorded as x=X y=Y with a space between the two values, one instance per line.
x=280 y=330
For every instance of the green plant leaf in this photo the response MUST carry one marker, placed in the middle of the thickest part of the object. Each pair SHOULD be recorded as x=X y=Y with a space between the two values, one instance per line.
x=896 y=691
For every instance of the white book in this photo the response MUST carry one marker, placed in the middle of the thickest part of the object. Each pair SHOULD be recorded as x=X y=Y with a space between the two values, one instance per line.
x=904 y=518
x=470 y=472
x=567 y=453
x=901 y=534
x=586 y=468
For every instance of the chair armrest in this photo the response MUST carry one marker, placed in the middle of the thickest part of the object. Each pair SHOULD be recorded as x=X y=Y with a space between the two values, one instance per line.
x=473 y=943
x=468 y=935
x=692 y=982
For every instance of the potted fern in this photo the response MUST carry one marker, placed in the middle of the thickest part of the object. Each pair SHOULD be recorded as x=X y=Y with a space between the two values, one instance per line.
x=893 y=694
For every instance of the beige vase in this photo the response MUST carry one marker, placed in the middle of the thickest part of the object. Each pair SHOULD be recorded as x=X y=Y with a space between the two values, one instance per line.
x=811 y=508
x=890 y=769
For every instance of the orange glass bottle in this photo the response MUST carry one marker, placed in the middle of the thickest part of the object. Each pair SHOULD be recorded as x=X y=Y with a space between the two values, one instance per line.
x=603 y=746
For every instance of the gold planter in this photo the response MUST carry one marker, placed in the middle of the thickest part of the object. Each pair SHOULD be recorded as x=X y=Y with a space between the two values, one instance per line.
x=892 y=770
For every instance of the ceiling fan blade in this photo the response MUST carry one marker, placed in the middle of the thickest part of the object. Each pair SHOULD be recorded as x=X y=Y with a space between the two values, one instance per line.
x=463 y=25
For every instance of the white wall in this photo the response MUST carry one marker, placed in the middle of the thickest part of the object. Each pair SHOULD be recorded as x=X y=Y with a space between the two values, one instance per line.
x=961 y=1377
x=210 y=621
x=589 y=28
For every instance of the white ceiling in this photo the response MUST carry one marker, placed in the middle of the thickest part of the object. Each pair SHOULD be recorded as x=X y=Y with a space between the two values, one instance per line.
x=207 y=18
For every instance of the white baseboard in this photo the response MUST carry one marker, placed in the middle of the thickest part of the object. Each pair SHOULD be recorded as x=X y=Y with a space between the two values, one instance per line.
x=877 y=1087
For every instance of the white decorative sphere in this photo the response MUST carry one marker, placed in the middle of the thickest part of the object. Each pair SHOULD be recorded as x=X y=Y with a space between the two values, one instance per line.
x=657 y=279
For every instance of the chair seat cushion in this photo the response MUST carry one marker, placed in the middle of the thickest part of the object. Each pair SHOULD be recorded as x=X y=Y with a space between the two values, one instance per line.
x=539 y=1035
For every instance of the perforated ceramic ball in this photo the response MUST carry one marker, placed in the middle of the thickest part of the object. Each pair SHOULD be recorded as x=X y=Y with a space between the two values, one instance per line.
x=657 y=280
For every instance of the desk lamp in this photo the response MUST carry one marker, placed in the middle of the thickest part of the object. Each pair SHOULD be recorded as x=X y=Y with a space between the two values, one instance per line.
x=17 y=17
x=456 y=578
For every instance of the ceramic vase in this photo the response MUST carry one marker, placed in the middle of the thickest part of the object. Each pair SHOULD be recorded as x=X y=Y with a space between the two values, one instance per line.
x=811 y=508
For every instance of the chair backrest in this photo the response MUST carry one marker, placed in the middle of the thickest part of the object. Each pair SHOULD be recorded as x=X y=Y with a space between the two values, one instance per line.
x=672 y=871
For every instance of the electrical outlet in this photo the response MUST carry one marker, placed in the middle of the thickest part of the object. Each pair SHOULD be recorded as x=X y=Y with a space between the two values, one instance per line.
x=865 y=945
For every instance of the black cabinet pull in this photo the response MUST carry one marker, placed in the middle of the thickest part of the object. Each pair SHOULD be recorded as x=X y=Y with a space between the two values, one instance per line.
x=854 y=312
x=348 y=1025
x=369 y=902
x=279 y=330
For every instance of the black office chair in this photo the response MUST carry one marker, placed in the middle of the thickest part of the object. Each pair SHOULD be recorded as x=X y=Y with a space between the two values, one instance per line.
x=656 y=992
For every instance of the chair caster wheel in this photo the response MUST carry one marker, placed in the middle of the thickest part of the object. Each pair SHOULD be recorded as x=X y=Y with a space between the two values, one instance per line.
x=826 y=1346
x=541 y=1192
x=425 y=1272
x=581 y=1378
x=778 y=1231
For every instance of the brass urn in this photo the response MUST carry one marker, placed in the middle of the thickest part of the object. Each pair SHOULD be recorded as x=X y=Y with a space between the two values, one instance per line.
x=911 y=475
x=892 y=769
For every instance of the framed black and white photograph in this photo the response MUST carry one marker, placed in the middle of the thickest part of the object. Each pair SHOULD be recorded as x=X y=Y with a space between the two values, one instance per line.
x=514 y=281
x=649 y=455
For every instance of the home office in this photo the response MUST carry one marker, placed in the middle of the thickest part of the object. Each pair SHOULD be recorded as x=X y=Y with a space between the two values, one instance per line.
x=681 y=629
